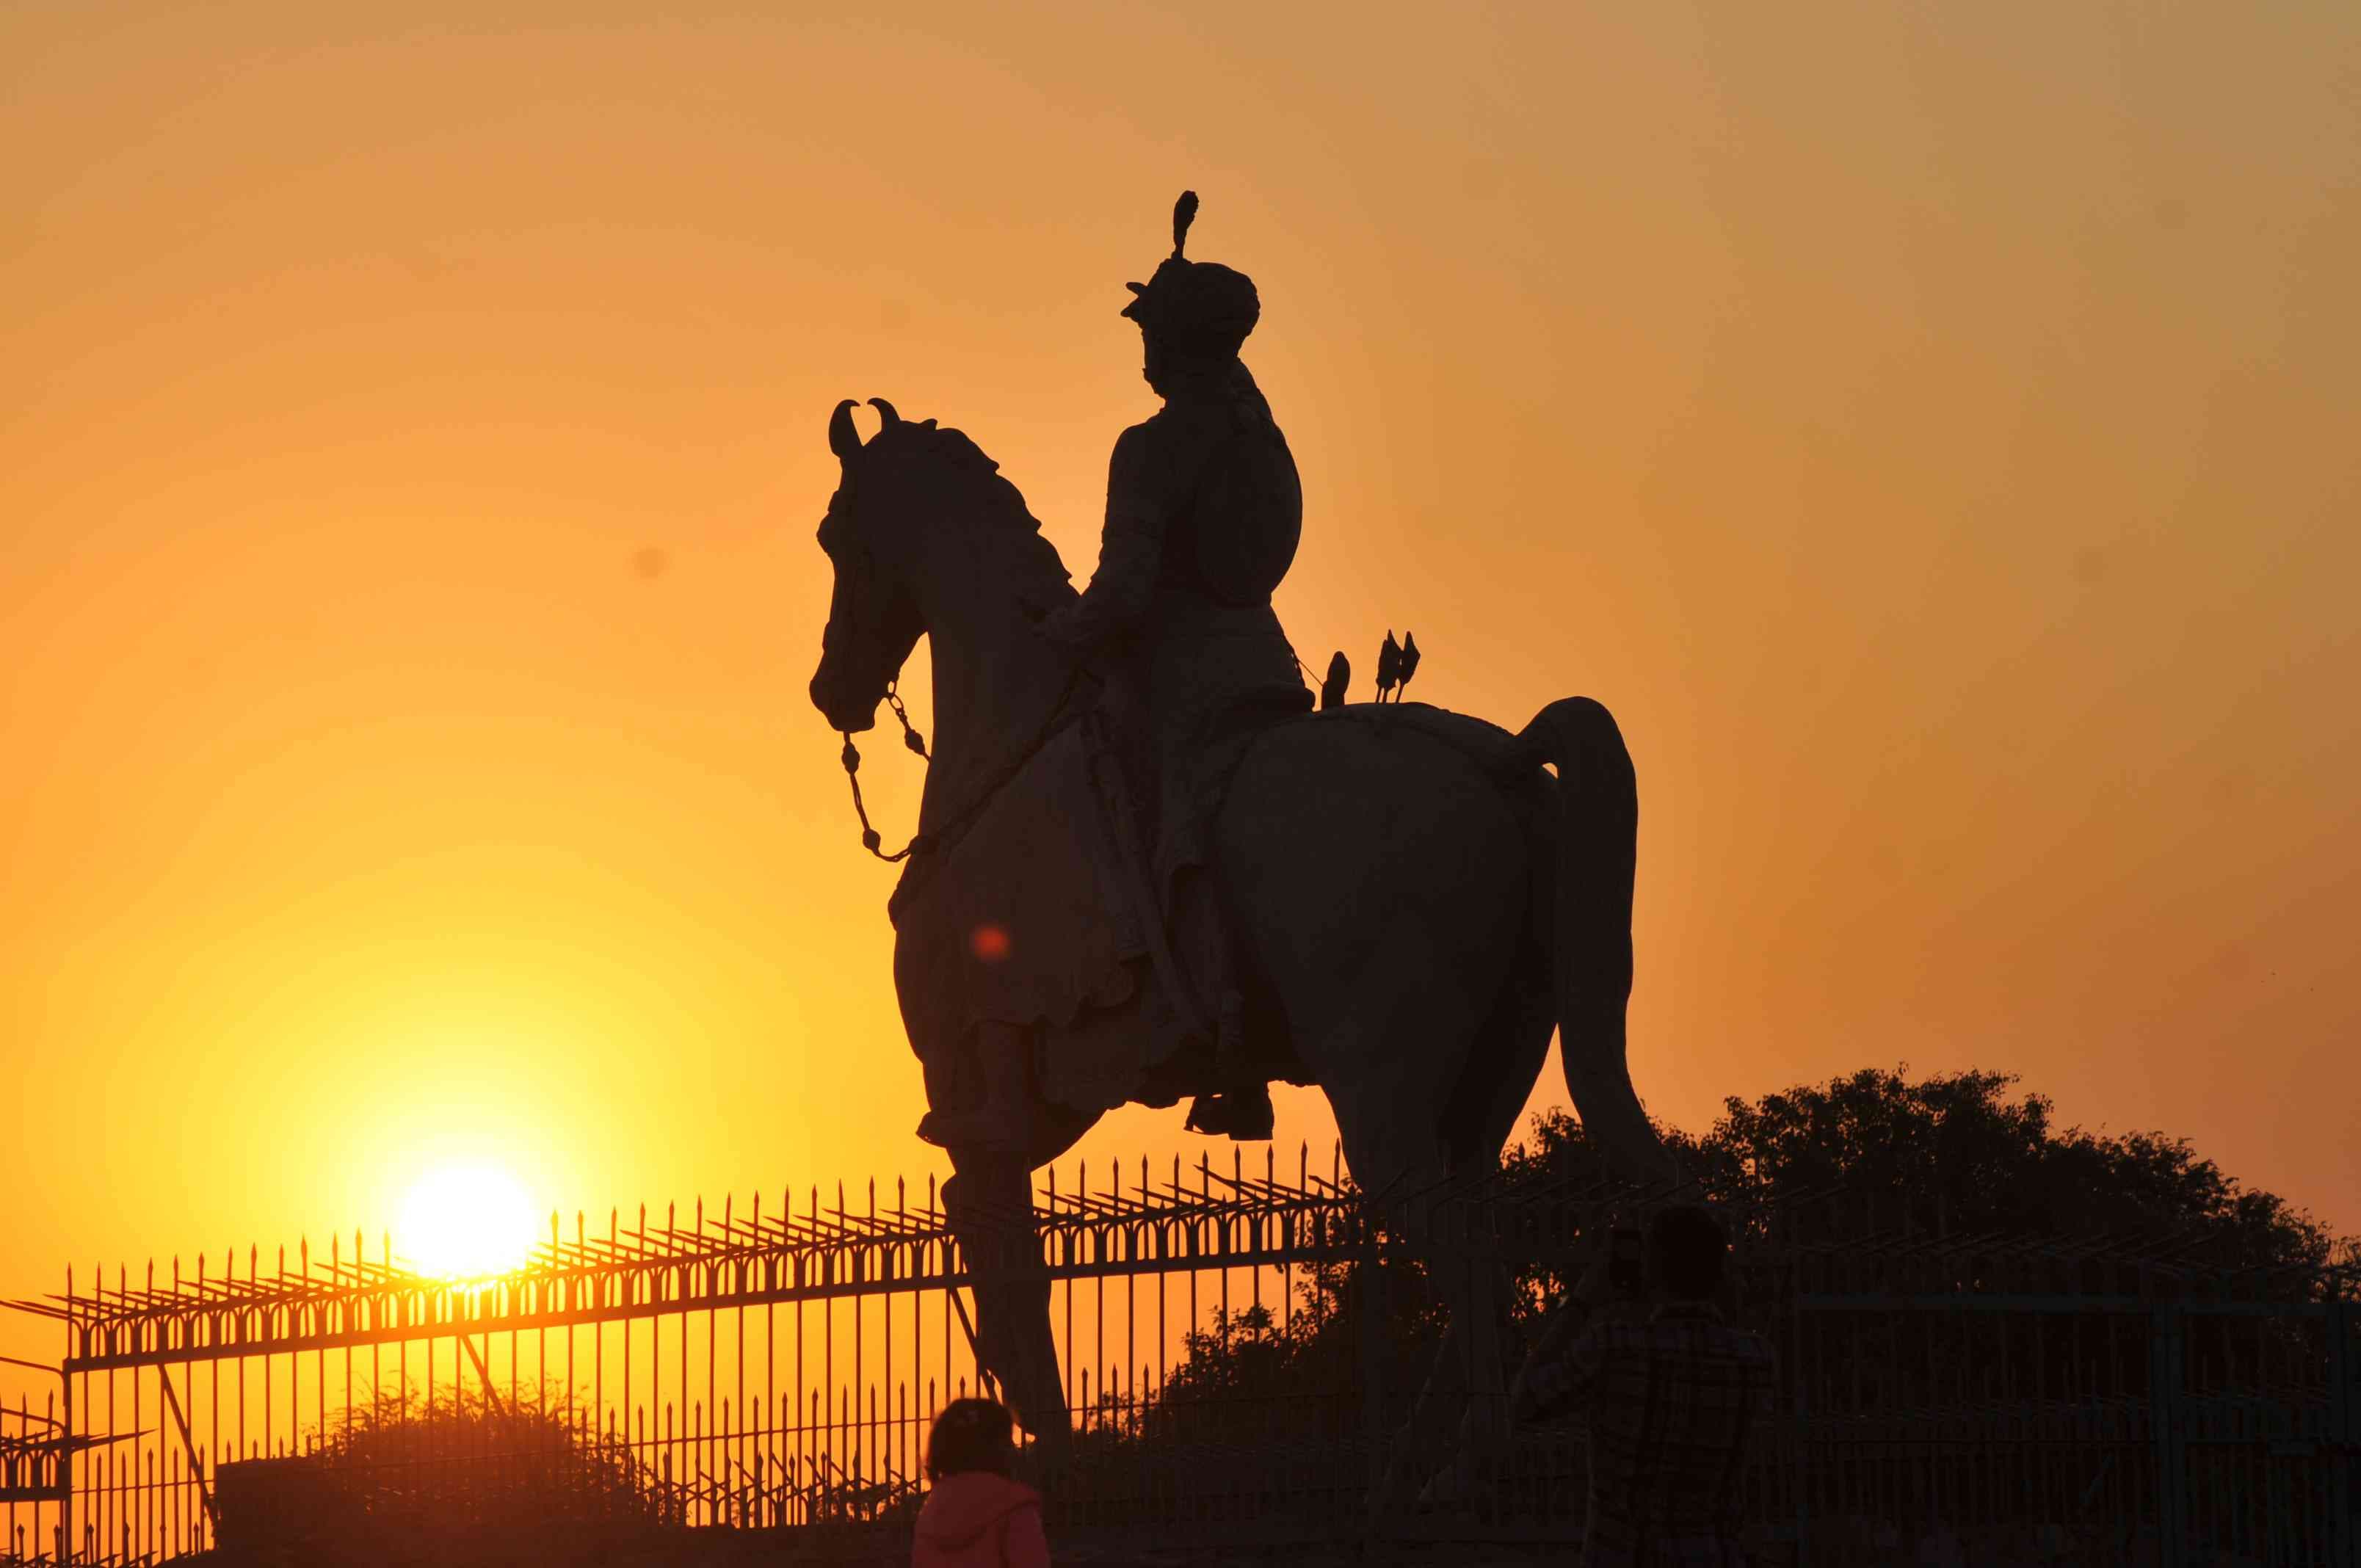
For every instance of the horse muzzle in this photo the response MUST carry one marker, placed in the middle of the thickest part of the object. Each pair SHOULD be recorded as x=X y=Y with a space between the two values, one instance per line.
x=845 y=712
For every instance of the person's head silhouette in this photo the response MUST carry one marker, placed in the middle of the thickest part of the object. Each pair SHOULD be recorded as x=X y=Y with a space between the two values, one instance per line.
x=1685 y=1253
x=970 y=1435
x=1193 y=316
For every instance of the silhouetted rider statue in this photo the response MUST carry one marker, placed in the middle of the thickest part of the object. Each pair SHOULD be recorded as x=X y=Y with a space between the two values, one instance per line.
x=1204 y=513
x=1414 y=977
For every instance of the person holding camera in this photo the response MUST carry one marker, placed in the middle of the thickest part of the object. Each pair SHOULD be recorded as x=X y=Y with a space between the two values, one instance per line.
x=1671 y=1396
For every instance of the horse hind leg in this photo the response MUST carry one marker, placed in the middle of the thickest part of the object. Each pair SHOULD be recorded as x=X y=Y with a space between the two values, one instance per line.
x=1386 y=885
x=1469 y=1370
x=1420 y=1074
x=1495 y=1082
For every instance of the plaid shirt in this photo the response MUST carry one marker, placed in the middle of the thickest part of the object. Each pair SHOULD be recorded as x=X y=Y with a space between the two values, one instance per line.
x=1671 y=1402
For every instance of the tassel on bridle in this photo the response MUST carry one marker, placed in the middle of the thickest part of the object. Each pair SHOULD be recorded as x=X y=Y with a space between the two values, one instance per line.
x=871 y=839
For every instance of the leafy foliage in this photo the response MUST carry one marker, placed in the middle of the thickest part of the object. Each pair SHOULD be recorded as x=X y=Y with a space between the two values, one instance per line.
x=411 y=1461
x=462 y=1480
x=1956 y=1155
x=1257 y=1368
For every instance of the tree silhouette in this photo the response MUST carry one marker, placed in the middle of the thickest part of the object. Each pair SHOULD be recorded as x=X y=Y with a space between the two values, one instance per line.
x=1949 y=1154
x=1953 y=1154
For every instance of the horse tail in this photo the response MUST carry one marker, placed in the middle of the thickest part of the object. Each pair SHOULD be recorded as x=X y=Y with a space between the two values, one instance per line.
x=1598 y=811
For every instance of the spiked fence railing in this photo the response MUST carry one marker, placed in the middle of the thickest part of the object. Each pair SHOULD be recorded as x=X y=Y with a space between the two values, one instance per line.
x=775 y=1365
x=831 y=1331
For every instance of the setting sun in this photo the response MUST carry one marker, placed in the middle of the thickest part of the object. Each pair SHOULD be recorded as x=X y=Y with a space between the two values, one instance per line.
x=462 y=1221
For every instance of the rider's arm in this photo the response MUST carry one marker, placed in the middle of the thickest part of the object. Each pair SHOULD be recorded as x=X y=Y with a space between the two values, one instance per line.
x=1131 y=551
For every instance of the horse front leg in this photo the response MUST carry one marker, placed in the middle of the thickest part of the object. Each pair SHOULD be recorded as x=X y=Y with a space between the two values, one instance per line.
x=992 y=1120
x=989 y=1202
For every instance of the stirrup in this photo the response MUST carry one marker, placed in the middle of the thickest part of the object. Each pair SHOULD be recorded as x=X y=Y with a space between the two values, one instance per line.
x=1245 y=1114
x=969 y=1130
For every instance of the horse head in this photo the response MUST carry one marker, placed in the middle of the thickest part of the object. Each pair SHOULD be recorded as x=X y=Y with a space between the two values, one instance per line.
x=872 y=616
x=925 y=537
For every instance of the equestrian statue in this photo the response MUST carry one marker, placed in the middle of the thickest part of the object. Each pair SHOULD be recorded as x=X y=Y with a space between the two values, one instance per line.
x=1145 y=870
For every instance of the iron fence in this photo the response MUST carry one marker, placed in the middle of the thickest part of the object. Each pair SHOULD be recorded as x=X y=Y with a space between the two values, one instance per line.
x=1240 y=1350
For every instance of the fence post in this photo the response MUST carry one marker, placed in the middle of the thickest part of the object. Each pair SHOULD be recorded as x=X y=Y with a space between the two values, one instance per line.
x=2165 y=1372
x=1371 y=1334
x=2343 y=1439
x=1798 y=1419
x=65 y=1495
x=66 y=1459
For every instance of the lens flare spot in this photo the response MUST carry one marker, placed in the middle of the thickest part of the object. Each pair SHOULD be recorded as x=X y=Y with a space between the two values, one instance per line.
x=462 y=1221
x=989 y=943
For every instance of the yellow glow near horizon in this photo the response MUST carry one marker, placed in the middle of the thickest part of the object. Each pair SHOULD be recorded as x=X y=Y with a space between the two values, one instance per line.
x=464 y=1221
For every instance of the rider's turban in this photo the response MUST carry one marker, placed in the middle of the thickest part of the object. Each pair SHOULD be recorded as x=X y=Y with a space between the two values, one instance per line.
x=1196 y=303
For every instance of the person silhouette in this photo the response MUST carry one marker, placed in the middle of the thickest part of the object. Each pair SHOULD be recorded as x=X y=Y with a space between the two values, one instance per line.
x=1673 y=1397
x=1205 y=510
x=976 y=1515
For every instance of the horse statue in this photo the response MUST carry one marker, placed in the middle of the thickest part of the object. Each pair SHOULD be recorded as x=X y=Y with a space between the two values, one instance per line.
x=1419 y=899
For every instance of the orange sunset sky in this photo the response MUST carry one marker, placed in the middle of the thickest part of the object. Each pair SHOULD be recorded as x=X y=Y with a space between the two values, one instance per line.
x=1930 y=429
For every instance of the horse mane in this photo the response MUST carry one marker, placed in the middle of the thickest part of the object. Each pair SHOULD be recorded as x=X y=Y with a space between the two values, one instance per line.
x=945 y=472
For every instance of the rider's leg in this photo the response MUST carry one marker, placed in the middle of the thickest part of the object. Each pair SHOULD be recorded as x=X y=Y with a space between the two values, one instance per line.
x=992 y=1109
x=1239 y=1106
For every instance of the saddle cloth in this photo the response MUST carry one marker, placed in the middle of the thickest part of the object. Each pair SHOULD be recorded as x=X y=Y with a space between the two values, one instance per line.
x=1032 y=917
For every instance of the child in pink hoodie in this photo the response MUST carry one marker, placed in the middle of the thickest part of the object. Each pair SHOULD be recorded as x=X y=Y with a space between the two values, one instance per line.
x=976 y=1517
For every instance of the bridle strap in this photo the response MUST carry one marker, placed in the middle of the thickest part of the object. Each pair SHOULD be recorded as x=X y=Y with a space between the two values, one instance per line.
x=873 y=841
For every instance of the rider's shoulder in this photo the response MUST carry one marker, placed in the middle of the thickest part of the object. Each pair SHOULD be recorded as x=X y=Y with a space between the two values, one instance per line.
x=1157 y=445
x=1160 y=427
x=1174 y=431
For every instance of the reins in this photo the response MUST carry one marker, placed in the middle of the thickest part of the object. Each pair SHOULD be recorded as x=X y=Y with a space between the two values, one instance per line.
x=873 y=841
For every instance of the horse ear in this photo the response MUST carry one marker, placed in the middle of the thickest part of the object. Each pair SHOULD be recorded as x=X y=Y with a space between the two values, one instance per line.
x=842 y=439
